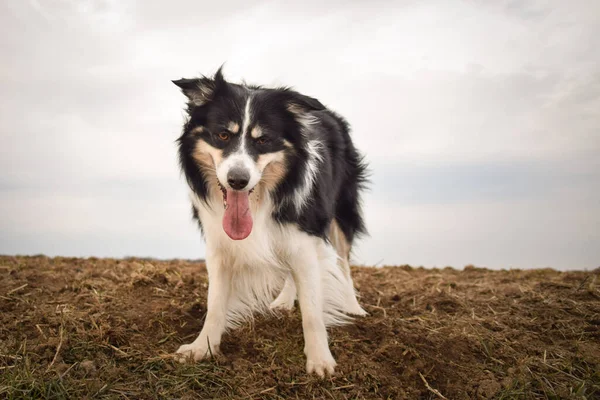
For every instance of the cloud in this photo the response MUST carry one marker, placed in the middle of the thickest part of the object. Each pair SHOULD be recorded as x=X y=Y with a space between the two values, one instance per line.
x=467 y=112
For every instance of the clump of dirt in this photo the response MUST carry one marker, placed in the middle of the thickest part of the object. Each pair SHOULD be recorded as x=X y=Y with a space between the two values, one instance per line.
x=107 y=328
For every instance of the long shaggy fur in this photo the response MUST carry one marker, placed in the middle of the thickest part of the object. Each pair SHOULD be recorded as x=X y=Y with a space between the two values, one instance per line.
x=304 y=180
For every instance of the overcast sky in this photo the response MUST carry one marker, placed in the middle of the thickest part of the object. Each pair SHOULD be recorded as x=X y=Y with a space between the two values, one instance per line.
x=481 y=121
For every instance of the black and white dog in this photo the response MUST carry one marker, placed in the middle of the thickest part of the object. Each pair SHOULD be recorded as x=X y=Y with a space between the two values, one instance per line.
x=275 y=183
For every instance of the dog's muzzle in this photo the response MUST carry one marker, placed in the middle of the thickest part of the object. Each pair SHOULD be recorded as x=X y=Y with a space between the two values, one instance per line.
x=238 y=177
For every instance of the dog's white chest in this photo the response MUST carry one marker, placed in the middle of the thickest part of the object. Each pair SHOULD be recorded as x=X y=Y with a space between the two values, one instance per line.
x=264 y=247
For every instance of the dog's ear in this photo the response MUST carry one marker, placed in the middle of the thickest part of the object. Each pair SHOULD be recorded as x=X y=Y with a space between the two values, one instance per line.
x=300 y=104
x=201 y=90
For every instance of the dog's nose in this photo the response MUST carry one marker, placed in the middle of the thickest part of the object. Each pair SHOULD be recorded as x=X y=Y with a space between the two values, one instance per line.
x=238 y=178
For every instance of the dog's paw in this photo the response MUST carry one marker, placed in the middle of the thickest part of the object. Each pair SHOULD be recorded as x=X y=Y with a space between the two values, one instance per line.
x=323 y=363
x=194 y=352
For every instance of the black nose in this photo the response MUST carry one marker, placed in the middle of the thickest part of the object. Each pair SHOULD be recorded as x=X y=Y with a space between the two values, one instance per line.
x=238 y=178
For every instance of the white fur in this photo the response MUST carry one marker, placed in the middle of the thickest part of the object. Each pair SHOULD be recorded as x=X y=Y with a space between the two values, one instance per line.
x=301 y=194
x=247 y=116
x=241 y=157
x=287 y=297
x=245 y=276
x=314 y=149
x=304 y=118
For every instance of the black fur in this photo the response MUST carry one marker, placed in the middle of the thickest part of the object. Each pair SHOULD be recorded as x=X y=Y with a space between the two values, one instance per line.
x=196 y=218
x=341 y=173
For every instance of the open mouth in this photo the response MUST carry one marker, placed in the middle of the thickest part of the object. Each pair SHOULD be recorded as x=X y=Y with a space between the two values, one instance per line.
x=237 y=219
x=224 y=192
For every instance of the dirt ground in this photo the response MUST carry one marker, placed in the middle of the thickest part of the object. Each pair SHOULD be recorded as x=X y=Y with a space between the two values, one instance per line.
x=105 y=328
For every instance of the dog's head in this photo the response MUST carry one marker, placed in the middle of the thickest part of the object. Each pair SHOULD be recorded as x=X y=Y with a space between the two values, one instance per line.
x=239 y=138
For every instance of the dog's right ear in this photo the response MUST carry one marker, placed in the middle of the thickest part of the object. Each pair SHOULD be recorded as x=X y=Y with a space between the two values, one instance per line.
x=200 y=90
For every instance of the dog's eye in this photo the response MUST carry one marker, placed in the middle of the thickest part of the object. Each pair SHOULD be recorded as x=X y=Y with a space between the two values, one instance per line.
x=262 y=140
x=224 y=136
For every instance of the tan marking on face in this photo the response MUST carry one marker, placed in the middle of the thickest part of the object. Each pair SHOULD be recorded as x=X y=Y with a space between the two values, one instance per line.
x=203 y=150
x=233 y=127
x=256 y=132
x=273 y=167
x=341 y=245
x=208 y=159
x=198 y=129
x=287 y=144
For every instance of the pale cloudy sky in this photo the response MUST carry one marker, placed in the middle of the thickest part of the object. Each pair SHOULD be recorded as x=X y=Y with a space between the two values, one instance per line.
x=481 y=121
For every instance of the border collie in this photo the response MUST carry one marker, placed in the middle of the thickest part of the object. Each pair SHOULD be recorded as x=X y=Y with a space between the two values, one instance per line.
x=275 y=183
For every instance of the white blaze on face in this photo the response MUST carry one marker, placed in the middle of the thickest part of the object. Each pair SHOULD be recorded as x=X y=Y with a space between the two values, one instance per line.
x=237 y=219
x=240 y=158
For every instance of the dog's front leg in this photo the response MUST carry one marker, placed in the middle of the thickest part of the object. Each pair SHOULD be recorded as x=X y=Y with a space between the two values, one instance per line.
x=307 y=276
x=219 y=290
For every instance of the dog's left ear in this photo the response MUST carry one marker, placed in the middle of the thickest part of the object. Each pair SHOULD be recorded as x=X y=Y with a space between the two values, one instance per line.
x=201 y=90
x=300 y=104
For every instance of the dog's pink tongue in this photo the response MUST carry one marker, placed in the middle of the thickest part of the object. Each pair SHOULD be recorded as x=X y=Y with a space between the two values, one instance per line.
x=237 y=221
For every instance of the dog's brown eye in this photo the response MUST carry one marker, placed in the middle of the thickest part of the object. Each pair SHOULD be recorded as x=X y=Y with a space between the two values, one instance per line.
x=224 y=136
x=261 y=140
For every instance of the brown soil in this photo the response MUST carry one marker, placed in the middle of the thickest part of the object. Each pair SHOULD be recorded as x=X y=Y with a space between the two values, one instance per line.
x=105 y=328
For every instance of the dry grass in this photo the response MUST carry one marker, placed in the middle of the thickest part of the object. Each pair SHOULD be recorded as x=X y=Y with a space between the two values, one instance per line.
x=103 y=328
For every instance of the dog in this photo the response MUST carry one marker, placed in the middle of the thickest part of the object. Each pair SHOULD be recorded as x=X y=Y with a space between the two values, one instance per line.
x=275 y=184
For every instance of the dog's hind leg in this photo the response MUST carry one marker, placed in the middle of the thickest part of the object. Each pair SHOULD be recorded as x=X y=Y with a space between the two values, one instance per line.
x=285 y=300
x=352 y=305
x=219 y=292
x=342 y=248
